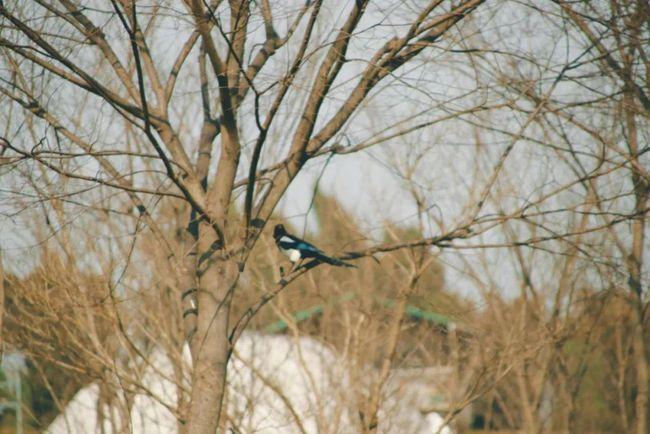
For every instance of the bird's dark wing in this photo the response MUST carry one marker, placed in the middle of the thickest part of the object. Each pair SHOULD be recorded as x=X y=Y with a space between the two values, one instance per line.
x=288 y=242
x=307 y=250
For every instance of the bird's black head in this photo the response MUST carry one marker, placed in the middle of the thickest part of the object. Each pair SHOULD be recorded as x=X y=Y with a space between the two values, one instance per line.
x=279 y=232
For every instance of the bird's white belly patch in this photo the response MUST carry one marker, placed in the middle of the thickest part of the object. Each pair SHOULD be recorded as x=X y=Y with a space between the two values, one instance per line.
x=293 y=254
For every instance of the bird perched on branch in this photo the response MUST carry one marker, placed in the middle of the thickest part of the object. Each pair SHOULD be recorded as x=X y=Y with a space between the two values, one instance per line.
x=297 y=249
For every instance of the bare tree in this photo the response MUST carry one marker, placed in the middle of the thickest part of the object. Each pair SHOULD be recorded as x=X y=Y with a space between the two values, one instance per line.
x=95 y=83
x=147 y=146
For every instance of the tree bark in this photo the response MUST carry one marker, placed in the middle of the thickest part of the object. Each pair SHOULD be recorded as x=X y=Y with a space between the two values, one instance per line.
x=641 y=365
x=635 y=265
x=2 y=303
x=210 y=346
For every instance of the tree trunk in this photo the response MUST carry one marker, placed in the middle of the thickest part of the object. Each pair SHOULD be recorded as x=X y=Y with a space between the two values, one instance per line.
x=2 y=303
x=635 y=268
x=641 y=366
x=209 y=372
x=210 y=346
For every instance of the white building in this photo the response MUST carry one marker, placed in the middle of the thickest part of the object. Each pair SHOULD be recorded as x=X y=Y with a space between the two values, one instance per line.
x=276 y=384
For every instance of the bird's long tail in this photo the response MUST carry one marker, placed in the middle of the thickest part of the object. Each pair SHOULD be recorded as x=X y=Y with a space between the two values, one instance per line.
x=335 y=262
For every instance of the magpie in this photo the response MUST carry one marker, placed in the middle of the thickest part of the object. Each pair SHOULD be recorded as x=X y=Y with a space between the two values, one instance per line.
x=297 y=249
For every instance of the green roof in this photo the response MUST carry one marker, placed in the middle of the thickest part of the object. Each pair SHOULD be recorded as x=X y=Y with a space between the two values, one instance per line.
x=412 y=311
